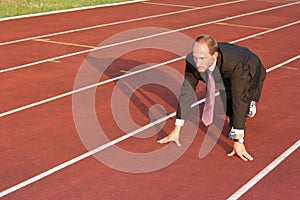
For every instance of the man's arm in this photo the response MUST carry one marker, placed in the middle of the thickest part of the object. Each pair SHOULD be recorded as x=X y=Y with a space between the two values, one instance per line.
x=186 y=98
x=239 y=89
x=240 y=106
x=187 y=92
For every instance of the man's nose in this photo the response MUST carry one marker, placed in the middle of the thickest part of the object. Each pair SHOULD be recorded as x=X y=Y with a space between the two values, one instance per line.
x=198 y=63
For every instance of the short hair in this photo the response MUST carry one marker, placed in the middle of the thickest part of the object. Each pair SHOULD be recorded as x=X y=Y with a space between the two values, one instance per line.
x=210 y=41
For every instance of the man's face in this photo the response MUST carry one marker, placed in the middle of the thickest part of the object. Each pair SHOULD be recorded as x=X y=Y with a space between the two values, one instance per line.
x=202 y=58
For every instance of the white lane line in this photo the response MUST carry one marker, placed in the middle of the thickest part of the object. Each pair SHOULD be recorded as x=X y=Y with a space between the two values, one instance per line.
x=264 y=172
x=70 y=10
x=94 y=151
x=270 y=30
x=282 y=64
x=122 y=76
x=120 y=22
x=85 y=88
x=142 y=38
x=172 y=5
x=81 y=157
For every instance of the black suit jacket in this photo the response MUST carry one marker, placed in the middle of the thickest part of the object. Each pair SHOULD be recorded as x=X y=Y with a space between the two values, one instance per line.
x=239 y=74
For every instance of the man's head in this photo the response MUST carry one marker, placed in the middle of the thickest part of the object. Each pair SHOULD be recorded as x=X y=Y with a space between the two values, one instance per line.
x=205 y=51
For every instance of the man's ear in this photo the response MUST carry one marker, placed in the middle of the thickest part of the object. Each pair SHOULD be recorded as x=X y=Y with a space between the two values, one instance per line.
x=215 y=55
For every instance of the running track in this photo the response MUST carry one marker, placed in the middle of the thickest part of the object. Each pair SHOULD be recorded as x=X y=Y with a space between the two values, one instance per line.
x=40 y=146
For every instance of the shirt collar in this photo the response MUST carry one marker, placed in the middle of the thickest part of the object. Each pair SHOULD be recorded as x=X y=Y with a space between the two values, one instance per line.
x=213 y=66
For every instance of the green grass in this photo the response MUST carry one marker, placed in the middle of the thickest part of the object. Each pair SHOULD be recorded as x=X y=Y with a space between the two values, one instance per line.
x=9 y=8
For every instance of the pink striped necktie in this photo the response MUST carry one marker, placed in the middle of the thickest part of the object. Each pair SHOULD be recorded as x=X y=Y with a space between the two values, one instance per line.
x=208 y=110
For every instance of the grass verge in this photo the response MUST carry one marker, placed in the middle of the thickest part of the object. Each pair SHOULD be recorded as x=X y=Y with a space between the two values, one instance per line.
x=11 y=8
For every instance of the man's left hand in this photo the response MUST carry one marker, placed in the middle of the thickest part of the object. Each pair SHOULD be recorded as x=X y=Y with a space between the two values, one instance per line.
x=240 y=150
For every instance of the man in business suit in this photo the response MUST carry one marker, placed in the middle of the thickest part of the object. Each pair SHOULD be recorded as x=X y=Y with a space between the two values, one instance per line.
x=237 y=73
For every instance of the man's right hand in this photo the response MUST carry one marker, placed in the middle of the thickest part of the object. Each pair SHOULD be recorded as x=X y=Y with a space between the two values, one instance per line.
x=172 y=137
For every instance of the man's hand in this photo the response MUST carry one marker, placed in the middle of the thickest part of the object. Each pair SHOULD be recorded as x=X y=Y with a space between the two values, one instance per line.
x=173 y=137
x=240 y=150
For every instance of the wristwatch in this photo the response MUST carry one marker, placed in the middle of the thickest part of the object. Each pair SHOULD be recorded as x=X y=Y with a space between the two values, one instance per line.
x=240 y=140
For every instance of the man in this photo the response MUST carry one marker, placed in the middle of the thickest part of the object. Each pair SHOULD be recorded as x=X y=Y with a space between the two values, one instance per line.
x=242 y=75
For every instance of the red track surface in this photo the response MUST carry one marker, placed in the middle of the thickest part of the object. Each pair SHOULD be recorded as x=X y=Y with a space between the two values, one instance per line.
x=41 y=137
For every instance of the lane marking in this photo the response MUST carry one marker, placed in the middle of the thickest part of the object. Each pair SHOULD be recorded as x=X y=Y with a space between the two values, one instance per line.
x=268 y=31
x=70 y=10
x=101 y=148
x=291 y=68
x=172 y=5
x=146 y=37
x=121 y=22
x=123 y=76
x=55 y=61
x=125 y=71
x=64 y=43
x=284 y=63
x=264 y=172
x=274 y=1
x=242 y=26
x=85 y=88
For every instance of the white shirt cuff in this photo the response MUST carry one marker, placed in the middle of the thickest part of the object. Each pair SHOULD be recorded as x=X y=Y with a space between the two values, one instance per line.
x=239 y=131
x=179 y=122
